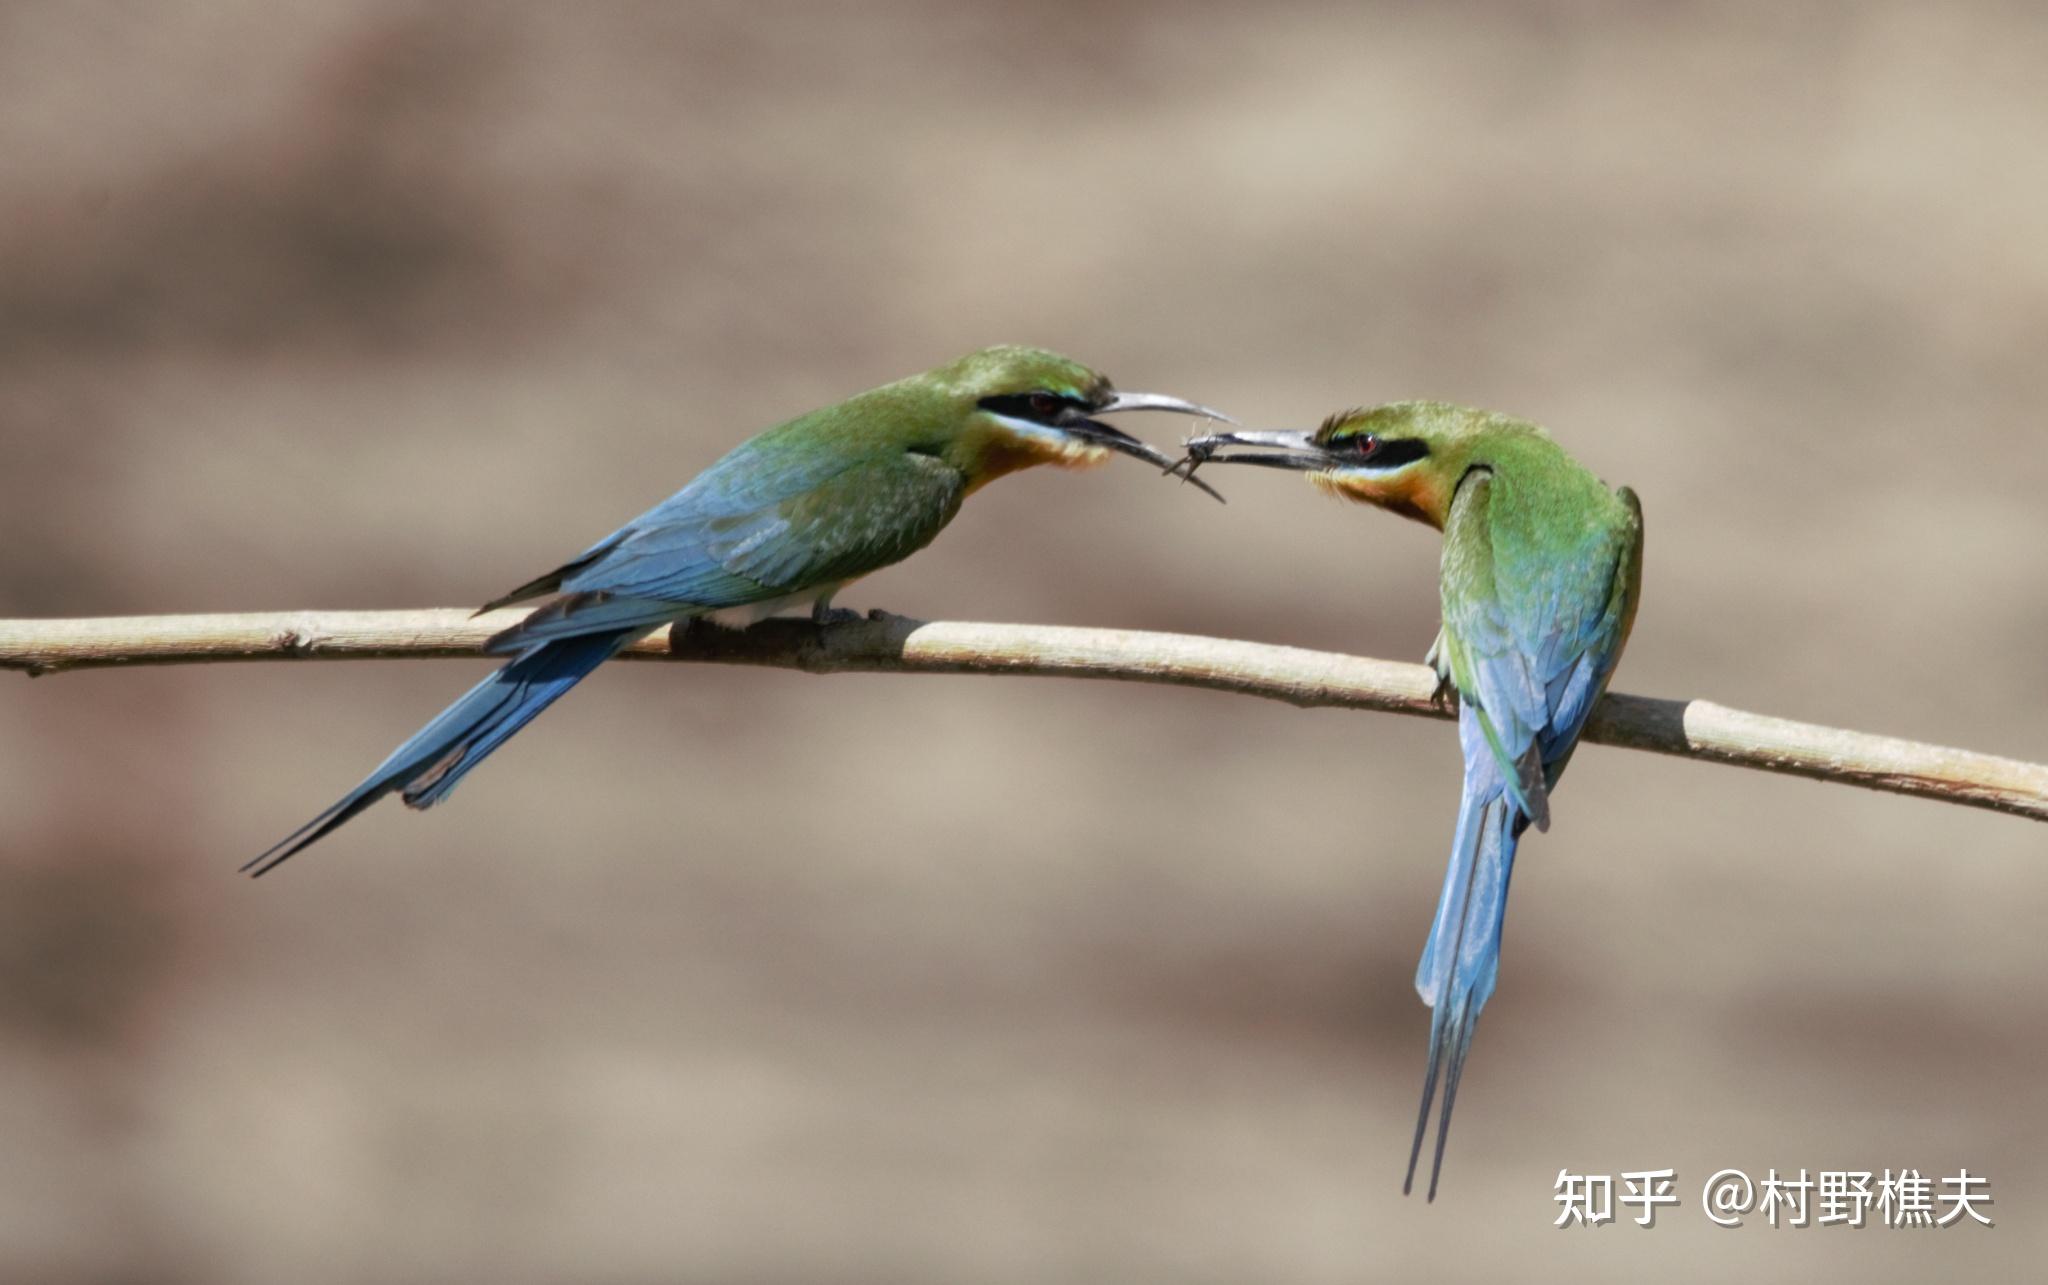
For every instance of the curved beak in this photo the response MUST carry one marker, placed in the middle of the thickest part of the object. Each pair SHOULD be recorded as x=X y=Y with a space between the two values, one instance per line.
x=1159 y=401
x=1117 y=440
x=1283 y=448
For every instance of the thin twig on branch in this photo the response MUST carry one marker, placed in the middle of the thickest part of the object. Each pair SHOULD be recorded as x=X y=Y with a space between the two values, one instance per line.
x=896 y=644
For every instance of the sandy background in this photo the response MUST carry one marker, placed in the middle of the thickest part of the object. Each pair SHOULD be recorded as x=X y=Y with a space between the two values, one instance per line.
x=752 y=977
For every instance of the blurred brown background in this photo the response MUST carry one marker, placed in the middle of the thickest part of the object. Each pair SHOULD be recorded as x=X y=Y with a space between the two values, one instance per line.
x=729 y=976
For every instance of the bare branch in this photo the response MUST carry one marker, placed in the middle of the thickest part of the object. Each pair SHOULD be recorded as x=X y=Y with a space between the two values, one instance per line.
x=895 y=644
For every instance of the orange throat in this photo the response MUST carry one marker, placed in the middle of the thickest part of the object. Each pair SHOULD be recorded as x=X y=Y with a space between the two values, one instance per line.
x=1413 y=494
x=1002 y=452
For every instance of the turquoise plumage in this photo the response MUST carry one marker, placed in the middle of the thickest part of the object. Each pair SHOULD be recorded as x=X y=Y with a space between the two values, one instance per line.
x=1541 y=574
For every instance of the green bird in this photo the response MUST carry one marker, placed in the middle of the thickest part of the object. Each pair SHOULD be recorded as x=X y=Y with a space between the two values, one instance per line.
x=787 y=518
x=1542 y=569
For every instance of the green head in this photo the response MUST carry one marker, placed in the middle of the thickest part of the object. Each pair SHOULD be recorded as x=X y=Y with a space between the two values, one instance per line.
x=1016 y=407
x=1406 y=457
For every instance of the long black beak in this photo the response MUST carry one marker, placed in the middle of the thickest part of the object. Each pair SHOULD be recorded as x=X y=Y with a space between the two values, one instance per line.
x=1117 y=440
x=1293 y=450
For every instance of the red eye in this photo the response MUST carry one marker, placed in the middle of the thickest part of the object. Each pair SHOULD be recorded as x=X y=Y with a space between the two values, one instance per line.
x=1365 y=444
x=1044 y=404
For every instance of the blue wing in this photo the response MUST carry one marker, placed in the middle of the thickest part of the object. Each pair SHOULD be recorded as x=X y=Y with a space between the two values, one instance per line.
x=730 y=540
x=753 y=477
x=1531 y=636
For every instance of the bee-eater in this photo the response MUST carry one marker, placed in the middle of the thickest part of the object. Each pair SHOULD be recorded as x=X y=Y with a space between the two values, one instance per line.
x=787 y=518
x=1542 y=568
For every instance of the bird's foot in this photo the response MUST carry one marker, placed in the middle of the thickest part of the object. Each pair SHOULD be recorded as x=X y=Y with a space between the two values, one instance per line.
x=1446 y=694
x=823 y=616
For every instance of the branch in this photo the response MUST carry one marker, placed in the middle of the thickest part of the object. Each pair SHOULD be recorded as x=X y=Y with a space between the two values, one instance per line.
x=896 y=644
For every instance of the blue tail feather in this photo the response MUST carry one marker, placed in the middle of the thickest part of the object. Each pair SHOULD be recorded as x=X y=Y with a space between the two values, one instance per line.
x=427 y=767
x=1461 y=961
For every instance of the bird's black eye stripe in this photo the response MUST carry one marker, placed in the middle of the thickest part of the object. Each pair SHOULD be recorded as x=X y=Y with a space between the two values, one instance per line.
x=1040 y=407
x=1383 y=452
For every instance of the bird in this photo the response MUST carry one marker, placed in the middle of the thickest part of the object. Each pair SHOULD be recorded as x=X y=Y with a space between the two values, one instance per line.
x=1541 y=576
x=786 y=519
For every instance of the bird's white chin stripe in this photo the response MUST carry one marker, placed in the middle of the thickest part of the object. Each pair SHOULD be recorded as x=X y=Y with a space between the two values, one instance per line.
x=1368 y=471
x=1052 y=443
x=1025 y=429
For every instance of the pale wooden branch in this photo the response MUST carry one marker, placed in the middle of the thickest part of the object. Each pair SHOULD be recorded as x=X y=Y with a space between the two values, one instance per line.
x=895 y=644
